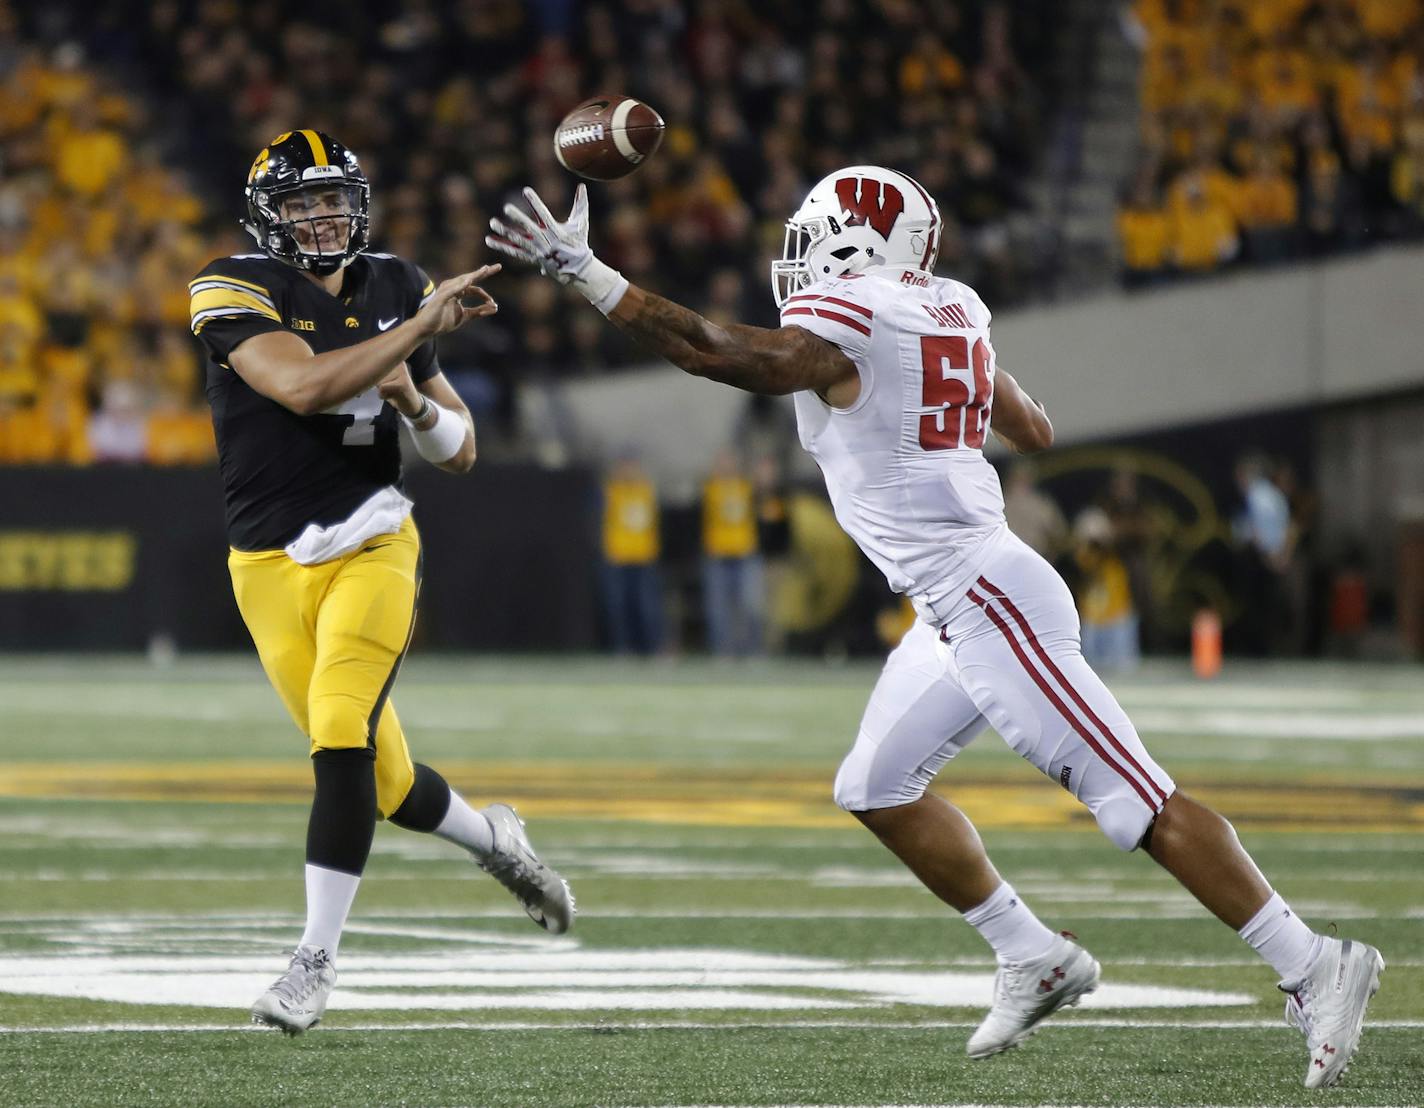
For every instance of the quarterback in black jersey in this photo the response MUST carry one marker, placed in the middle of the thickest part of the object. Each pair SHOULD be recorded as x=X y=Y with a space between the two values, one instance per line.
x=317 y=350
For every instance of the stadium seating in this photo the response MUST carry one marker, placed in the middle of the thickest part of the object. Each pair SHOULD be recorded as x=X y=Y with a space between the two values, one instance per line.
x=1272 y=130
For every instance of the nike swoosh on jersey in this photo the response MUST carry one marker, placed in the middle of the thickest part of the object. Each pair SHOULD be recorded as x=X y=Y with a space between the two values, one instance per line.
x=387 y=324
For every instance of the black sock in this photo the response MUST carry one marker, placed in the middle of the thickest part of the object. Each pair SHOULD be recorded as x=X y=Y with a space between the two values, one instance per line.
x=343 y=814
x=424 y=807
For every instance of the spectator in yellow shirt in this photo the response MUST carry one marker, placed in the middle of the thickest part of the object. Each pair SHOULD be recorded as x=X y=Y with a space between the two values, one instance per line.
x=88 y=156
x=733 y=592
x=930 y=67
x=1407 y=173
x=1105 y=610
x=1203 y=230
x=1285 y=83
x=1144 y=237
x=632 y=585
x=178 y=435
x=50 y=432
x=1266 y=207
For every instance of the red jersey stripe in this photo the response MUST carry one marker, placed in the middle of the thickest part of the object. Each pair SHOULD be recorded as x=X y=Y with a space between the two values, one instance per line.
x=835 y=300
x=822 y=313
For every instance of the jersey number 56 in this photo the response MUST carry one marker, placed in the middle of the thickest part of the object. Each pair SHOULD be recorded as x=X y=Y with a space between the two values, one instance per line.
x=959 y=416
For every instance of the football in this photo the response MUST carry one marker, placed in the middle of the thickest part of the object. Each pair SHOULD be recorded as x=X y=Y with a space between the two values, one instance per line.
x=607 y=137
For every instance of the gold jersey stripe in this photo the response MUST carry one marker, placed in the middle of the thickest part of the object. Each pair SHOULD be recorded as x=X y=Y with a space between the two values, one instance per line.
x=212 y=299
x=202 y=320
x=318 y=150
x=206 y=286
x=229 y=280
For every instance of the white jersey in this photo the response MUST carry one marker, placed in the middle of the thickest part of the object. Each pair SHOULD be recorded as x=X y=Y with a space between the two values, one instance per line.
x=904 y=464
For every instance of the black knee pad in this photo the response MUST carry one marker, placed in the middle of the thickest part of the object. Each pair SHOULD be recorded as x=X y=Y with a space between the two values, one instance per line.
x=343 y=814
x=424 y=807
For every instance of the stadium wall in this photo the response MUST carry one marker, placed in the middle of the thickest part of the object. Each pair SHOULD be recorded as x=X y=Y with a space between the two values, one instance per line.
x=119 y=558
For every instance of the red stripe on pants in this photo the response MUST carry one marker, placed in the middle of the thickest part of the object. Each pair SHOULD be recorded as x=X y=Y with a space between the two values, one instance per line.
x=1048 y=663
x=1054 y=699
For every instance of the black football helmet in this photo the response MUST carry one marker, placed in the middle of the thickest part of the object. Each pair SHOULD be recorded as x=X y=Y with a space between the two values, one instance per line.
x=298 y=190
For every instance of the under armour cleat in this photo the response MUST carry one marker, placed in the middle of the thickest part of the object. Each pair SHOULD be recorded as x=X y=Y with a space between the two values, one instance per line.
x=297 y=999
x=1328 y=1004
x=512 y=862
x=1026 y=993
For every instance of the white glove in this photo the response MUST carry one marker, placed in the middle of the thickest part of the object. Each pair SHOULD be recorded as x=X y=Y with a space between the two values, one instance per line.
x=561 y=250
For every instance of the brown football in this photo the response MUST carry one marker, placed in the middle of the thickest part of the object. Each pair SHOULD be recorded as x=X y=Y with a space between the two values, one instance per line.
x=607 y=137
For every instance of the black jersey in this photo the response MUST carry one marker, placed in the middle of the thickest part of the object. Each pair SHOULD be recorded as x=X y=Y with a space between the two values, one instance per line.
x=283 y=471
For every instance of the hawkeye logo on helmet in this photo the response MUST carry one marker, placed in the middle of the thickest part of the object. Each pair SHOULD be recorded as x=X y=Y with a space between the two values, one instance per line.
x=877 y=203
x=313 y=172
x=259 y=165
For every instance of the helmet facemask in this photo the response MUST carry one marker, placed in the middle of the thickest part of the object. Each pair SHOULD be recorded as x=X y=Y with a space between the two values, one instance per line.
x=317 y=225
x=816 y=248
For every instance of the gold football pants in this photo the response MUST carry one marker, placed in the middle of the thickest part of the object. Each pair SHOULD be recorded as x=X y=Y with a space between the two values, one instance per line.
x=331 y=638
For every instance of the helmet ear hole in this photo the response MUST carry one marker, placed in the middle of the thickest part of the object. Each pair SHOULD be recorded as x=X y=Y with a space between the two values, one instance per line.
x=846 y=252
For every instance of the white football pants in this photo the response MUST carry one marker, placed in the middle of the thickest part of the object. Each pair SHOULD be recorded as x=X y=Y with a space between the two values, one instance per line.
x=1008 y=657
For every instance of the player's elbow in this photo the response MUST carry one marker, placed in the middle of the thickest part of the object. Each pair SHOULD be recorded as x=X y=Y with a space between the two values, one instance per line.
x=464 y=459
x=300 y=400
x=1036 y=435
x=305 y=394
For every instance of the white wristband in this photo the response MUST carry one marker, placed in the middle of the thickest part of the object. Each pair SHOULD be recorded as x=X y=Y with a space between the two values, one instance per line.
x=442 y=440
x=601 y=283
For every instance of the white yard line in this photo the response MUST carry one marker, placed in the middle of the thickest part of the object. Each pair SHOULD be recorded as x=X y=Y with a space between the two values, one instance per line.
x=1061 y=1023
x=1185 y=911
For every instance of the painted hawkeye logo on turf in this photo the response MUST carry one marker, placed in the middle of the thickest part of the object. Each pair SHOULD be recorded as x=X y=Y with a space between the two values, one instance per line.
x=452 y=968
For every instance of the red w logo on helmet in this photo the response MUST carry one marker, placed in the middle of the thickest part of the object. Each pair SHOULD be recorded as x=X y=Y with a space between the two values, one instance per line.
x=874 y=202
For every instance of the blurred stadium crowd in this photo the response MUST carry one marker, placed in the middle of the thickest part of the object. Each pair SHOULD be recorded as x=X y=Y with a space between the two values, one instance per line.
x=1270 y=129
x=127 y=134
x=1273 y=129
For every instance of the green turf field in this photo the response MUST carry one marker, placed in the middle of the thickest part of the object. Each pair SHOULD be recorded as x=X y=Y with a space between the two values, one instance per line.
x=740 y=941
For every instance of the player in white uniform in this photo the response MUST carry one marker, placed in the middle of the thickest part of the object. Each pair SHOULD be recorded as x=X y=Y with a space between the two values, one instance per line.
x=895 y=383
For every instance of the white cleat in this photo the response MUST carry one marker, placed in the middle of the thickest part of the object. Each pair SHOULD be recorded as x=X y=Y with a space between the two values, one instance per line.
x=1328 y=1004
x=543 y=893
x=297 y=999
x=1026 y=993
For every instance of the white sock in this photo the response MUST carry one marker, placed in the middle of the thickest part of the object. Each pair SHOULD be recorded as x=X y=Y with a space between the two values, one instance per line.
x=1009 y=926
x=463 y=825
x=329 y=896
x=1281 y=937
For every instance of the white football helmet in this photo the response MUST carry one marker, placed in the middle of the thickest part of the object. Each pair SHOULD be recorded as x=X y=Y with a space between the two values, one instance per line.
x=860 y=216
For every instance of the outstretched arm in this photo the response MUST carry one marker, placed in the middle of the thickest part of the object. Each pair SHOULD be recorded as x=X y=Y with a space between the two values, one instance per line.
x=1019 y=420
x=757 y=359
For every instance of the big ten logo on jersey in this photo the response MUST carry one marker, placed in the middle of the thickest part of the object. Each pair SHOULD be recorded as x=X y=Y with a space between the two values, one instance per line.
x=303 y=325
x=958 y=391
